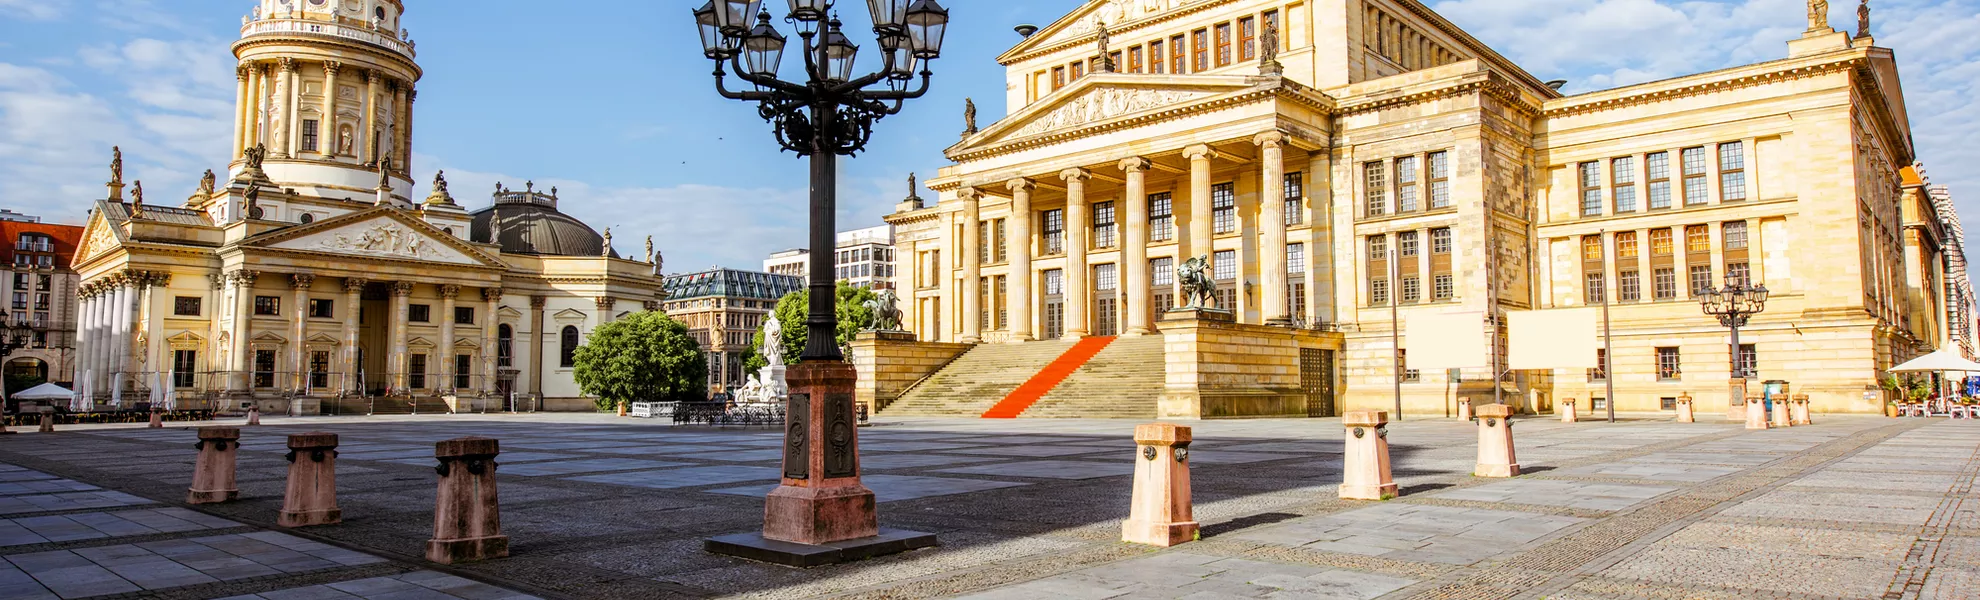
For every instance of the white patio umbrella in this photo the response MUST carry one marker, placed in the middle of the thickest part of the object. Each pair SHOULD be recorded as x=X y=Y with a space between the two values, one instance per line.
x=46 y=391
x=1939 y=361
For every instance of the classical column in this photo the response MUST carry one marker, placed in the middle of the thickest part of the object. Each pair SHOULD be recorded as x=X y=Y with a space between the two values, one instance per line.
x=242 y=111
x=1134 y=249
x=243 y=281
x=105 y=334
x=1077 y=224
x=972 y=266
x=1198 y=243
x=353 y=305
x=326 y=123
x=368 y=140
x=291 y=96
x=257 y=93
x=404 y=161
x=298 y=339
x=401 y=304
x=1272 y=228
x=536 y=318
x=1020 y=272
x=490 y=298
x=85 y=298
x=446 y=354
x=605 y=305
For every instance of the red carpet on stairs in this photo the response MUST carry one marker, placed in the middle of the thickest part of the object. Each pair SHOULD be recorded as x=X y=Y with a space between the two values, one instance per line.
x=1046 y=379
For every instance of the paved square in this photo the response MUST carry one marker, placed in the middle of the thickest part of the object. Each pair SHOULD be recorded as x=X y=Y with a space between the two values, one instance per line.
x=1594 y=496
x=688 y=477
x=1437 y=534
x=1052 y=469
x=593 y=465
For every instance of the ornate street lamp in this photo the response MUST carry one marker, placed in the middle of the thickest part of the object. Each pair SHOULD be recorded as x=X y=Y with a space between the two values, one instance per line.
x=16 y=336
x=1733 y=305
x=827 y=112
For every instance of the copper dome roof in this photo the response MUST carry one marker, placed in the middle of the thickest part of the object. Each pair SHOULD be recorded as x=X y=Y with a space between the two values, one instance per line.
x=528 y=222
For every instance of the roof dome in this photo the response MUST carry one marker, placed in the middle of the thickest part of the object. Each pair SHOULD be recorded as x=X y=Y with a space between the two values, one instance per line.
x=528 y=222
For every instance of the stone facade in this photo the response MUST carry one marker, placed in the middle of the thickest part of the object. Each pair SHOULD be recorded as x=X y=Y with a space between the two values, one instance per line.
x=41 y=295
x=891 y=362
x=723 y=309
x=1381 y=155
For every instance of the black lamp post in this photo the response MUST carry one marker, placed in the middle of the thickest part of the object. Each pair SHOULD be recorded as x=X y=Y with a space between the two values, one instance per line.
x=831 y=112
x=1733 y=305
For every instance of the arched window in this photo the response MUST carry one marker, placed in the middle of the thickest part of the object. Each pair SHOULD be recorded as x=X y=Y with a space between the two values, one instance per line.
x=569 y=343
x=505 y=342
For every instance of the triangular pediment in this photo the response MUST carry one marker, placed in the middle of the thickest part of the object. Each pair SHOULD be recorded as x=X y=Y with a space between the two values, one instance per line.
x=466 y=343
x=1100 y=99
x=419 y=342
x=323 y=338
x=99 y=236
x=569 y=314
x=1081 y=25
x=383 y=233
x=268 y=337
x=508 y=314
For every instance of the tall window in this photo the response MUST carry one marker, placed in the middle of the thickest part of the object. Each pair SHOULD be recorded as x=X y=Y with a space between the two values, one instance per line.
x=1749 y=361
x=1200 y=50
x=1223 y=44
x=1412 y=289
x=185 y=366
x=1660 y=241
x=1624 y=172
x=1408 y=374
x=1601 y=370
x=1161 y=217
x=1134 y=60
x=1732 y=171
x=1666 y=283
x=1377 y=188
x=463 y=372
x=1247 y=38
x=1628 y=287
x=1296 y=279
x=1591 y=189
x=416 y=372
x=1055 y=231
x=1003 y=308
x=264 y=368
x=1591 y=248
x=319 y=369
x=1442 y=287
x=1058 y=78
x=1406 y=184
x=1734 y=234
x=1659 y=165
x=505 y=344
x=1694 y=176
x=1626 y=245
x=567 y=345
x=1597 y=287
x=309 y=135
x=1406 y=244
x=1224 y=264
x=1667 y=363
x=1295 y=191
x=1701 y=277
x=1440 y=240
x=1697 y=240
x=1002 y=244
x=1157 y=59
x=1378 y=291
x=1178 y=54
x=1103 y=225
x=1378 y=247
x=1163 y=274
x=1440 y=180
x=1223 y=207
x=1736 y=274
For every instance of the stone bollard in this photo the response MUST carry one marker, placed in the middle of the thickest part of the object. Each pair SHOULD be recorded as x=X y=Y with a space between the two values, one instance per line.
x=254 y=414
x=1464 y=409
x=1160 y=514
x=1495 y=442
x=213 y=473
x=1684 y=410
x=311 y=498
x=1756 y=413
x=157 y=417
x=47 y=419
x=1800 y=410
x=1365 y=462
x=1781 y=416
x=1567 y=411
x=467 y=523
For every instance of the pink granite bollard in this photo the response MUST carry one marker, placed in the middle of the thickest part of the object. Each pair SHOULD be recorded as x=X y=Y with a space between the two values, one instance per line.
x=1685 y=415
x=1160 y=514
x=467 y=523
x=254 y=414
x=1464 y=409
x=157 y=417
x=1365 y=462
x=1780 y=413
x=1756 y=413
x=1495 y=442
x=1800 y=410
x=47 y=419
x=311 y=498
x=1567 y=410
x=1736 y=399
x=213 y=473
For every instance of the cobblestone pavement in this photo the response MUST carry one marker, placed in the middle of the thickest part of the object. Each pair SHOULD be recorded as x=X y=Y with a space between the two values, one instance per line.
x=605 y=507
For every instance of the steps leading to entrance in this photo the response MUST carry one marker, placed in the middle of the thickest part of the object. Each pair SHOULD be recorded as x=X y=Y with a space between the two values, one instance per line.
x=976 y=380
x=384 y=405
x=1047 y=378
x=1124 y=381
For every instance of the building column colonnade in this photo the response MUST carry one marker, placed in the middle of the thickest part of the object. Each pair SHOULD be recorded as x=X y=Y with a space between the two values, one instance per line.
x=401 y=306
x=1198 y=242
x=445 y=354
x=298 y=340
x=972 y=266
x=1019 y=288
x=1272 y=228
x=240 y=379
x=326 y=121
x=1077 y=223
x=1134 y=249
x=353 y=299
x=490 y=298
x=291 y=80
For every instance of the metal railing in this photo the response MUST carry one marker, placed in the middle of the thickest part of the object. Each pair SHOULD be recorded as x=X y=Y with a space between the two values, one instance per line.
x=363 y=34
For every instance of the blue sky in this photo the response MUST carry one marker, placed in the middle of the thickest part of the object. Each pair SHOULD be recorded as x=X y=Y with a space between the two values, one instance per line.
x=611 y=101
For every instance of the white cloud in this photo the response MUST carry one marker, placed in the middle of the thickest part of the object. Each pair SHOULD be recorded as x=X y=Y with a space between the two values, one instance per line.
x=32 y=10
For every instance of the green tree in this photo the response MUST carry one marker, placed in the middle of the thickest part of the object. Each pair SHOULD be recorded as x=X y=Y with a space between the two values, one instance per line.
x=644 y=357
x=853 y=314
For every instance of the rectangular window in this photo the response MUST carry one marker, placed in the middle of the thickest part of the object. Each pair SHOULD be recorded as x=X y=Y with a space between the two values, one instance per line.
x=1406 y=184
x=1626 y=245
x=264 y=368
x=463 y=315
x=1597 y=287
x=1106 y=278
x=1164 y=271
x=1701 y=278
x=1223 y=207
x=42 y=282
x=1440 y=240
x=1378 y=291
x=1600 y=372
x=1161 y=217
x=1697 y=240
x=419 y=313
x=1402 y=358
x=1377 y=188
x=185 y=368
x=1628 y=287
x=1055 y=283
x=1200 y=50
x=1223 y=44
x=267 y=306
x=1247 y=38
x=1736 y=274
x=1058 y=78
x=1224 y=265
x=322 y=309
x=416 y=372
x=1078 y=70
x=20 y=301
x=1378 y=247
x=1134 y=60
x=1591 y=189
x=1412 y=289
x=1442 y=287
x=1055 y=231
x=319 y=369
x=20 y=281
x=1440 y=180
x=309 y=135
x=1660 y=242
x=1749 y=361
x=1694 y=175
x=1734 y=235
x=1659 y=165
x=1732 y=171
x=1406 y=244
x=185 y=306
x=1591 y=248
x=1623 y=172
x=1295 y=195
x=1667 y=363
x=41 y=301
x=463 y=372
x=1103 y=225
x=1666 y=283
x=1178 y=54
x=1156 y=58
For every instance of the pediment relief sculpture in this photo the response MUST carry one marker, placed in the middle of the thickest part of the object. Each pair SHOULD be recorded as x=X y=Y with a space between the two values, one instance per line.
x=1103 y=104
x=385 y=239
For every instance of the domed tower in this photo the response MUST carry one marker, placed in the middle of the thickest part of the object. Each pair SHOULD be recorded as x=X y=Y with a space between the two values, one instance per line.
x=327 y=87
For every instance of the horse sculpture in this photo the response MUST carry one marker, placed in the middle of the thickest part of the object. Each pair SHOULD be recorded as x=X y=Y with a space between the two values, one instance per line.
x=1199 y=290
x=886 y=311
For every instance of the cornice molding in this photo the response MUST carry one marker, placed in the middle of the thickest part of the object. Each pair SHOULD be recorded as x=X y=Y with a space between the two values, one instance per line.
x=1093 y=39
x=1575 y=105
x=1283 y=90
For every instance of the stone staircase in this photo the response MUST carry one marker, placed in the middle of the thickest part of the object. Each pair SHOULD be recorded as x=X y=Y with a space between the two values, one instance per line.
x=976 y=380
x=385 y=405
x=1124 y=381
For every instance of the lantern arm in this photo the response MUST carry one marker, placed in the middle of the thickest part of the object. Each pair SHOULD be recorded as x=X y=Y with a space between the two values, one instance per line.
x=752 y=96
x=773 y=83
x=902 y=95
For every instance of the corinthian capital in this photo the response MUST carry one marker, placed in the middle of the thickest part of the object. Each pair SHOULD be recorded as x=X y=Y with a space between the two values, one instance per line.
x=402 y=288
x=450 y=291
x=353 y=284
x=302 y=281
x=331 y=67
